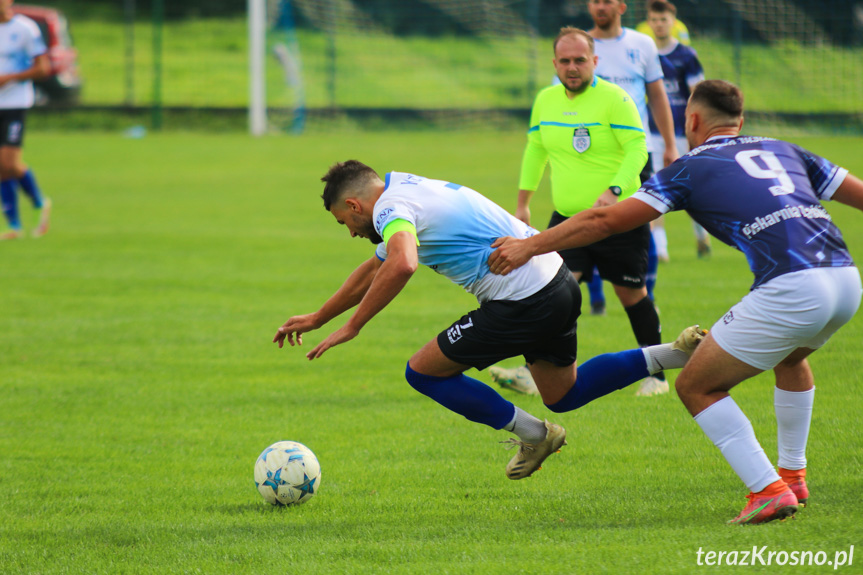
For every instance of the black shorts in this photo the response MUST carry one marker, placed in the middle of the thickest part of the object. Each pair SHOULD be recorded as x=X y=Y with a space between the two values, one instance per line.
x=539 y=327
x=620 y=259
x=12 y=127
x=647 y=170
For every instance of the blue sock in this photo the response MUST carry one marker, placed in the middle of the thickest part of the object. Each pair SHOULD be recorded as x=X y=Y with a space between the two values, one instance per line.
x=9 y=197
x=594 y=286
x=464 y=395
x=652 y=267
x=602 y=375
x=31 y=188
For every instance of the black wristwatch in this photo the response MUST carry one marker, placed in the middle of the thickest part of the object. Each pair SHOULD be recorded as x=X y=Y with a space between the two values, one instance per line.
x=615 y=190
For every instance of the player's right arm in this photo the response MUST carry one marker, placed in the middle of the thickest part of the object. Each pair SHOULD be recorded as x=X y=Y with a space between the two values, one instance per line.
x=348 y=296
x=850 y=192
x=582 y=229
x=390 y=279
x=533 y=163
x=41 y=68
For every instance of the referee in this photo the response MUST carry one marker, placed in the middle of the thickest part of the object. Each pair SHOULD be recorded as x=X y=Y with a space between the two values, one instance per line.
x=591 y=132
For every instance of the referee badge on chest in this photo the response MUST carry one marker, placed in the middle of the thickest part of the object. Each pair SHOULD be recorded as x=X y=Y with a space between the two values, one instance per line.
x=581 y=140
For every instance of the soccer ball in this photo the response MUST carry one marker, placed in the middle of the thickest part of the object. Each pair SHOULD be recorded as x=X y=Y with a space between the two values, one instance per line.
x=287 y=473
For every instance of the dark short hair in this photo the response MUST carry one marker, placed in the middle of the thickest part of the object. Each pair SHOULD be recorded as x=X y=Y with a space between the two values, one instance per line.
x=720 y=96
x=662 y=6
x=573 y=31
x=342 y=175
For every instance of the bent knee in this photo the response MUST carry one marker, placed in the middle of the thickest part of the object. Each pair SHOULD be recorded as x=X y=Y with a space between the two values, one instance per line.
x=684 y=386
x=558 y=408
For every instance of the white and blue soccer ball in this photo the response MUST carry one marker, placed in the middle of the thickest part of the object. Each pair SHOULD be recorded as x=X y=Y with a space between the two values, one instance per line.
x=287 y=473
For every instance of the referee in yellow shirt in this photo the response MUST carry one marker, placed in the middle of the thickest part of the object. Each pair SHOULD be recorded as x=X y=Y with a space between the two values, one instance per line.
x=591 y=133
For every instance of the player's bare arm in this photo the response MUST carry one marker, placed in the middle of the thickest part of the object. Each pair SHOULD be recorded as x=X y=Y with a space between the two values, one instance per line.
x=41 y=68
x=584 y=228
x=522 y=209
x=606 y=198
x=348 y=295
x=657 y=99
x=850 y=192
x=390 y=279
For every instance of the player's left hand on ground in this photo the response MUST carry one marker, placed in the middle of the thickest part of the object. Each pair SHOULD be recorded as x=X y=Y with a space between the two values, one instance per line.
x=341 y=335
x=509 y=255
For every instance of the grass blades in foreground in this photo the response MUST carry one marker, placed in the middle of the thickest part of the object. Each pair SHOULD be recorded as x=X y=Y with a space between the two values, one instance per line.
x=139 y=384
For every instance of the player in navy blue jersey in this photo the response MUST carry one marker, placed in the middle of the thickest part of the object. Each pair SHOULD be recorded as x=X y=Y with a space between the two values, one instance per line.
x=682 y=71
x=762 y=196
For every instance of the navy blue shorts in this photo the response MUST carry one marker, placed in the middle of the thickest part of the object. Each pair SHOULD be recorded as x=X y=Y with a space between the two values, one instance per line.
x=12 y=127
x=539 y=327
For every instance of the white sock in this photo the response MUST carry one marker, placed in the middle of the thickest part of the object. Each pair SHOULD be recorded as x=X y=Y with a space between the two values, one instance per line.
x=528 y=428
x=729 y=430
x=793 y=416
x=662 y=357
x=660 y=239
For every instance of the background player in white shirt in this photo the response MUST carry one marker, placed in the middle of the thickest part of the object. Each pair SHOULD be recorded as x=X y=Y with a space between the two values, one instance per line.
x=533 y=312
x=23 y=58
x=630 y=60
x=762 y=196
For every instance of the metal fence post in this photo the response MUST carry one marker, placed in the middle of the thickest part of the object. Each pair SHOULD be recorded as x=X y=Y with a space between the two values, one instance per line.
x=158 y=19
x=129 y=11
x=533 y=26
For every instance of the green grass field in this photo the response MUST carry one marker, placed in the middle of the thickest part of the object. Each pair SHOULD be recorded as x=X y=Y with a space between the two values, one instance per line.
x=138 y=383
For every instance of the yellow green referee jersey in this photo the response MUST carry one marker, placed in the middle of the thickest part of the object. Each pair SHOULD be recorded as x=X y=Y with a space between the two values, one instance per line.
x=593 y=141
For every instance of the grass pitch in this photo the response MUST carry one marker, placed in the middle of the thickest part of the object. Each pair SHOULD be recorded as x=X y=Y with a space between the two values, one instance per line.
x=138 y=384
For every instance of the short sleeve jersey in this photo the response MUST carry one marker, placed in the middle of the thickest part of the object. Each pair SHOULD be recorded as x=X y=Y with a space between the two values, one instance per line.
x=455 y=229
x=20 y=42
x=631 y=61
x=761 y=196
x=586 y=140
x=681 y=69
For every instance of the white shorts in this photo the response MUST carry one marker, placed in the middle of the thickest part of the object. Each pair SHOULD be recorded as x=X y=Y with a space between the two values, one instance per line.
x=799 y=309
x=656 y=157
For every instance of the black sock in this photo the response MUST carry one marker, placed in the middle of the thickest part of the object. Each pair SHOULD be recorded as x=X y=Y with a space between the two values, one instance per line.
x=645 y=325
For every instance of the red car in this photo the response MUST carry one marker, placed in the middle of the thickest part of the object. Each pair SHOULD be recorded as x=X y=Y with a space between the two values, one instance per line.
x=64 y=84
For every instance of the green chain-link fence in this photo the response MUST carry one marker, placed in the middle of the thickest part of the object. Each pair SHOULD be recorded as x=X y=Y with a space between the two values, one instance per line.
x=184 y=64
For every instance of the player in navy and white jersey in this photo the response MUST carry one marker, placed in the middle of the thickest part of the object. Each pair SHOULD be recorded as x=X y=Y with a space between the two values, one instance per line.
x=23 y=58
x=782 y=231
x=630 y=60
x=682 y=71
x=532 y=312
x=762 y=196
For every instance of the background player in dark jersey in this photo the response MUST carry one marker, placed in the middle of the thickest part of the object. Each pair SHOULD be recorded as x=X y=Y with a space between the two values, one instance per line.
x=762 y=196
x=682 y=71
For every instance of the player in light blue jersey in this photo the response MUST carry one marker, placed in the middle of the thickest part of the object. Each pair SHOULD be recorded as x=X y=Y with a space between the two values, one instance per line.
x=23 y=58
x=533 y=312
x=762 y=196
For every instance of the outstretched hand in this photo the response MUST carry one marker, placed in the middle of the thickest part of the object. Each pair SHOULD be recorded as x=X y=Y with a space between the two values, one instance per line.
x=295 y=327
x=341 y=335
x=509 y=255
